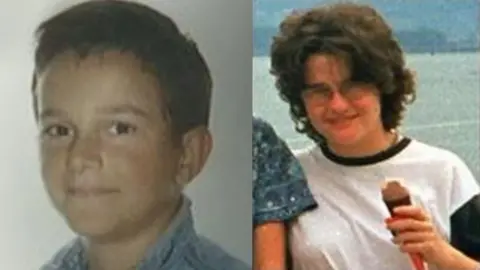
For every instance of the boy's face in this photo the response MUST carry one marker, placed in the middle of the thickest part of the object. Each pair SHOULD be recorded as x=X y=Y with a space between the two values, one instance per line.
x=108 y=161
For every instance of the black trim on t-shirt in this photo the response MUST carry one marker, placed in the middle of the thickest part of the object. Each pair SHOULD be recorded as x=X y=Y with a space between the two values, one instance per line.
x=465 y=228
x=368 y=160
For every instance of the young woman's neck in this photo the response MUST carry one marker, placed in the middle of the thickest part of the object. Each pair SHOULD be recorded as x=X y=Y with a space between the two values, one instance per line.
x=126 y=253
x=372 y=144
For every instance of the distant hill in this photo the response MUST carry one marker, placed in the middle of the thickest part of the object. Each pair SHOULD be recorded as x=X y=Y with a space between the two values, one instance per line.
x=412 y=41
x=421 y=26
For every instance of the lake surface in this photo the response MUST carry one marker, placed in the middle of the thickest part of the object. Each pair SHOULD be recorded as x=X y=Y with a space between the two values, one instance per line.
x=446 y=112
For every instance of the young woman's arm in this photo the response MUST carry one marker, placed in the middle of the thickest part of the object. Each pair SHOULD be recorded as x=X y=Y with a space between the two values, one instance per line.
x=269 y=246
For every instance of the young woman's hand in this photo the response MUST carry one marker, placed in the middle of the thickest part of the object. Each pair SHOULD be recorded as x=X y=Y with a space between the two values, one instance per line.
x=416 y=234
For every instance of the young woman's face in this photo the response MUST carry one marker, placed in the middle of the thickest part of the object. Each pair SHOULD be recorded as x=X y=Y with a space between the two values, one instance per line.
x=343 y=112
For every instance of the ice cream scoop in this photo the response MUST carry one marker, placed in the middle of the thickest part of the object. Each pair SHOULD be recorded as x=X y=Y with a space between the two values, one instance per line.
x=394 y=194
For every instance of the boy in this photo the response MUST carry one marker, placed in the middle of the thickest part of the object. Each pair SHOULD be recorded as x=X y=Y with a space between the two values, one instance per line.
x=122 y=100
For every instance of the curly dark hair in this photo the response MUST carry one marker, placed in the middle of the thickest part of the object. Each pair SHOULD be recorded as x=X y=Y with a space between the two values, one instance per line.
x=98 y=26
x=357 y=32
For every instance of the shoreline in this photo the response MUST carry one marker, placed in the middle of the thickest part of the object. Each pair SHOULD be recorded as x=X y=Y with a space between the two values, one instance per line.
x=466 y=51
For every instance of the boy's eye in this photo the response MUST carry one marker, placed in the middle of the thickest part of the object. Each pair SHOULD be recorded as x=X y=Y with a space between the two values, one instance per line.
x=57 y=131
x=121 y=128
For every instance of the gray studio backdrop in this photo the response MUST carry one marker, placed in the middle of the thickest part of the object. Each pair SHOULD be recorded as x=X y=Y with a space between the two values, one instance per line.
x=30 y=230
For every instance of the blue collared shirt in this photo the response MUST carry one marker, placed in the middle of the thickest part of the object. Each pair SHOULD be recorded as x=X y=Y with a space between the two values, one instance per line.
x=179 y=248
x=280 y=188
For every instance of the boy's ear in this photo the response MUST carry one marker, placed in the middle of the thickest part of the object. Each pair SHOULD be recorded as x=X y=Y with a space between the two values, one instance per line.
x=196 y=148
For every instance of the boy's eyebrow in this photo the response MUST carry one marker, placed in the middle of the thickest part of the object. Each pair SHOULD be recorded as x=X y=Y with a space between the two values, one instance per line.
x=125 y=109
x=118 y=109
x=50 y=112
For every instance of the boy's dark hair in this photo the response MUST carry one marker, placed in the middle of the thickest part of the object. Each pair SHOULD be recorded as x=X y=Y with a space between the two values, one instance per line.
x=356 y=32
x=98 y=26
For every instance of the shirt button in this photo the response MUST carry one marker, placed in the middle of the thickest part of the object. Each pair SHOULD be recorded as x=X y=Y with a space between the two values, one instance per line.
x=269 y=204
x=292 y=199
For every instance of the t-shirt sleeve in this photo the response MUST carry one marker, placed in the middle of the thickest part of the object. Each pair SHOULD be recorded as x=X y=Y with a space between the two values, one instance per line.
x=465 y=211
x=280 y=190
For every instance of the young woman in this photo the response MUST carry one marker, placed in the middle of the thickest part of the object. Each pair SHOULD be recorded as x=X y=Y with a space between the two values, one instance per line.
x=343 y=74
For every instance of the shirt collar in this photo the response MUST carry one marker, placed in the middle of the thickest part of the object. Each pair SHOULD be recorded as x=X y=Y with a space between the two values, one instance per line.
x=168 y=246
x=178 y=235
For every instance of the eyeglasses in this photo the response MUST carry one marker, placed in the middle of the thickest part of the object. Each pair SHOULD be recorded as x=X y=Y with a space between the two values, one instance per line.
x=323 y=93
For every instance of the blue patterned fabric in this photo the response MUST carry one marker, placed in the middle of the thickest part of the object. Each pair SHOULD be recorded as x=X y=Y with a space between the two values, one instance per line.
x=180 y=248
x=280 y=190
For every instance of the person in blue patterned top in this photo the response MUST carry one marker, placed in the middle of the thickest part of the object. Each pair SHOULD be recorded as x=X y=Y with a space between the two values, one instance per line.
x=122 y=102
x=280 y=194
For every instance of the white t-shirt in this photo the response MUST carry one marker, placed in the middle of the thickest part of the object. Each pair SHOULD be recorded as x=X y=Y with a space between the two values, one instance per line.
x=347 y=230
